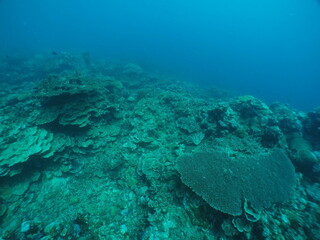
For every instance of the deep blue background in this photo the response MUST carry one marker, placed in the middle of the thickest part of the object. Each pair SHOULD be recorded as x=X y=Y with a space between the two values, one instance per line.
x=267 y=48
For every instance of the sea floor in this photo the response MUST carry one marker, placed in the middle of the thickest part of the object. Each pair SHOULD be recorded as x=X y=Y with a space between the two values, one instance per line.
x=91 y=149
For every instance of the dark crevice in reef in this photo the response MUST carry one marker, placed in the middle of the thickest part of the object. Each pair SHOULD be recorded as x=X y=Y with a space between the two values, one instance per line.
x=28 y=168
x=70 y=130
x=61 y=99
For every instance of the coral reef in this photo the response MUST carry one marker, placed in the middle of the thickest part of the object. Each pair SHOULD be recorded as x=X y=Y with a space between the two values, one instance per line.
x=90 y=149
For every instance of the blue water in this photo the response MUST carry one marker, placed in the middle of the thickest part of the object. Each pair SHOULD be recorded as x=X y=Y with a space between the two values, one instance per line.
x=267 y=48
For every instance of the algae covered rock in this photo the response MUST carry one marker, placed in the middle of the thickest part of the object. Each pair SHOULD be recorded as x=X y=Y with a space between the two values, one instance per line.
x=302 y=150
x=312 y=123
x=226 y=182
x=250 y=107
x=288 y=120
x=303 y=155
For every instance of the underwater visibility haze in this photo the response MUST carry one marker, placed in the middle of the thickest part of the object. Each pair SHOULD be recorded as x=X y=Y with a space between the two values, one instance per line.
x=266 y=48
x=155 y=120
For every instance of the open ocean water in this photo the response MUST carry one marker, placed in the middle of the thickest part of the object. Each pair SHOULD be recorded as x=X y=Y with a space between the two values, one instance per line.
x=154 y=120
x=269 y=49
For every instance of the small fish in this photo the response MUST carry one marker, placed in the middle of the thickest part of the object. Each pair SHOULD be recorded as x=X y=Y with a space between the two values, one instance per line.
x=54 y=53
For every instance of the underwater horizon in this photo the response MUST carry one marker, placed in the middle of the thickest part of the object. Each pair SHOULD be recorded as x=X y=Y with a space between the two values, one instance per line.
x=268 y=49
x=147 y=120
